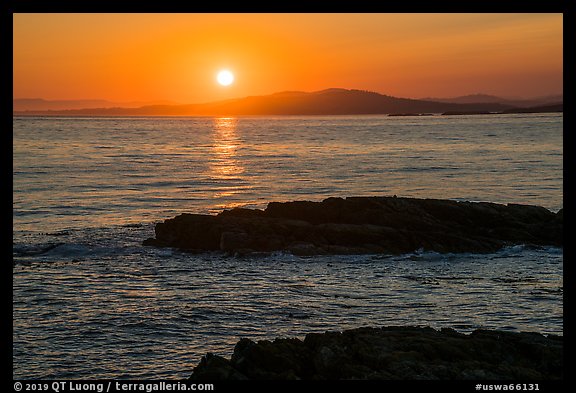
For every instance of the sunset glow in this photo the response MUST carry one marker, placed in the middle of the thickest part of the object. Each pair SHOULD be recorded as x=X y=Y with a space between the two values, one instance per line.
x=117 y=57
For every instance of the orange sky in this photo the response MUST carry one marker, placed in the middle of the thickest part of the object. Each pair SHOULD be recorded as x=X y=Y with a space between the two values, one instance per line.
x=145 y=57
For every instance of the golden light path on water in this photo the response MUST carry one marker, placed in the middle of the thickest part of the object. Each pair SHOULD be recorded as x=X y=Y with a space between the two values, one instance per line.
x=225 y=165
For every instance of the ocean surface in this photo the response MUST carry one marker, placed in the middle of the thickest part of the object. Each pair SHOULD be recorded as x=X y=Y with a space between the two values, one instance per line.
x=89 y=301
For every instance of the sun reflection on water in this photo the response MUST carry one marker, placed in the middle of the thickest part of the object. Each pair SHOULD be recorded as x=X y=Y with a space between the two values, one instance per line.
x=226 y=142
x=225 y=166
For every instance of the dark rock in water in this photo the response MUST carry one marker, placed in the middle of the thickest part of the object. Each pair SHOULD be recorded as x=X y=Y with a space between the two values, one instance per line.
x=392 y=353
x=360 y=225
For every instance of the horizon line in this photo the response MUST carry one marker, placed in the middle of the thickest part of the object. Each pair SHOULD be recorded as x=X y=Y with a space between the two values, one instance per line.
x=173 y=102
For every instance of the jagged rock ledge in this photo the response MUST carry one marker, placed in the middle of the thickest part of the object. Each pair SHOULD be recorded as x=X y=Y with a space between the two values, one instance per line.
x=392 y=353
x=363 y=225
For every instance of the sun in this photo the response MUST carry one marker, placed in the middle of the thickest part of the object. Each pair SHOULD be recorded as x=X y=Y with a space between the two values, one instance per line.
x=225 y=78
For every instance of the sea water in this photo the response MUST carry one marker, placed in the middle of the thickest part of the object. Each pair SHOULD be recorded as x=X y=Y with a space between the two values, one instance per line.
x=89 y=301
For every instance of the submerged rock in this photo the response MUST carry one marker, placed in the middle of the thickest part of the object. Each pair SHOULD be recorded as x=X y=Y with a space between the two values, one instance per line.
x=360 y=225
x=399 y=353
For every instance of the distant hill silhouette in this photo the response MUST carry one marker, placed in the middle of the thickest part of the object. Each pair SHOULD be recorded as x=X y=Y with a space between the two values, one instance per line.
x=332 y=101
x=40 y=104
x=538 y=109
x=486 y=98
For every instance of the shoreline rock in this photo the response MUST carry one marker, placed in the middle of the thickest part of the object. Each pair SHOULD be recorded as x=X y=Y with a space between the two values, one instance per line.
x=363 y=225
x=392 y=353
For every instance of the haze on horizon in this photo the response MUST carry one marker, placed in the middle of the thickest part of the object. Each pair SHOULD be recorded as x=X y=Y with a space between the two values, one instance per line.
x=151 y=57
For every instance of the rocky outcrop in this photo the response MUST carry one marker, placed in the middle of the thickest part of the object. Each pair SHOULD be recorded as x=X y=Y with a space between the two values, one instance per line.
x=392 y=353
x=360 y=225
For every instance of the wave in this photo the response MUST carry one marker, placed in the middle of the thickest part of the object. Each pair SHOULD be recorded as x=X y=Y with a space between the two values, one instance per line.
x=33 y=249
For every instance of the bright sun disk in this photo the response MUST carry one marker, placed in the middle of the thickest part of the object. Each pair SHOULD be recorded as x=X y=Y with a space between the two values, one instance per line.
x=225 y=77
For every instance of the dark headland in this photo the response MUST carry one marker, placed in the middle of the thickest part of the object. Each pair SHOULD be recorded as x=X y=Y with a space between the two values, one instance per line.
x=363 y=225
